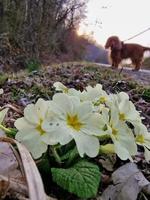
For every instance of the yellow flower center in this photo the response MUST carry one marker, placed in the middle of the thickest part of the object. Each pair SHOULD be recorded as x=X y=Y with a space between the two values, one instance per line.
x=73 y=122
x=65 y=90
x=114 y=131
x=140 y=139
x=39 y=128
x=103 y=99
x=122 y=116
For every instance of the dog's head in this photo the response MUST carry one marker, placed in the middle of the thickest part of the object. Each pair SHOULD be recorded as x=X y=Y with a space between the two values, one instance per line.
x=114 y=43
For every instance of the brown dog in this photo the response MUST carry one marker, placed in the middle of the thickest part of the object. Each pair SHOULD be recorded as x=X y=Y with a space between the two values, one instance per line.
x=120 y=51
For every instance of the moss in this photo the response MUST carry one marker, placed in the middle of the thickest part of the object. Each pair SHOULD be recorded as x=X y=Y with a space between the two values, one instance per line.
x=146 y=94
x=17 y=93
x=33 y=65
x=41 y=91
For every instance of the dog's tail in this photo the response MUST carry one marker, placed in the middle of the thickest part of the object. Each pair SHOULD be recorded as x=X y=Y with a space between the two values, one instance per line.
x=146 y=48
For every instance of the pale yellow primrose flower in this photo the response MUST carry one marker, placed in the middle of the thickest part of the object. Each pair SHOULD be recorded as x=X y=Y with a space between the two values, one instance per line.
x=126 y=109
x=143 y=139
x=60 y=87
x=120 y=133
x=91 y=93
x=119 y=97
x=4 y=111
x=70 y=91
x=107 y=149
x=75 y=120
x=30 y=130
x=94 y=94
x=1 y=91
x=3 y=114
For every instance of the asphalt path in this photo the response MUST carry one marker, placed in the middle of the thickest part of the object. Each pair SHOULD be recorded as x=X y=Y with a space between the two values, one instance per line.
x=142 y=76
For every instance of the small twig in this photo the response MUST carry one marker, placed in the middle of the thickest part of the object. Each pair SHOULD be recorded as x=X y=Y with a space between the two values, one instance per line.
x=14 y=185
x=146 y=116
x=7 y=139
x=13 y=108
x=121 y=70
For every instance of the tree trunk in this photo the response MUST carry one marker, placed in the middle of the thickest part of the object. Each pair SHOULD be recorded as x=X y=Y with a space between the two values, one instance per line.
x=21 y=19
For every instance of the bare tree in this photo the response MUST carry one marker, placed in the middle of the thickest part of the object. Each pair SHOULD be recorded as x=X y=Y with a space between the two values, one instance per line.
x=36 y=25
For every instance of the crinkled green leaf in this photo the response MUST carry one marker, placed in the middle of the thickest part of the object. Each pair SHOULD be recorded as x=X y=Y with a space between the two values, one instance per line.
x=81 y=179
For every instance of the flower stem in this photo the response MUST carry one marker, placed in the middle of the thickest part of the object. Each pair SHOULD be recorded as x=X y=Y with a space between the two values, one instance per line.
x=7 y=130
x=104 y=137
x=72 y=156
x=56 y=156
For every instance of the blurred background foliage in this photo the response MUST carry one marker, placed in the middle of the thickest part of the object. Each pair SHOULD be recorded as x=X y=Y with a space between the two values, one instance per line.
x=44 y=30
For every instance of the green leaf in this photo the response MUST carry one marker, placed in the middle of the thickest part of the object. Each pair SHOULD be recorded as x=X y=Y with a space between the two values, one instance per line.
x=70 y=154
x=12 y=133
x=81 y=179
x=44 y=165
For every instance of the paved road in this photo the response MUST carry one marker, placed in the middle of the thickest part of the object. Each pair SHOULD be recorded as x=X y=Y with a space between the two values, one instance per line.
x=142 y=76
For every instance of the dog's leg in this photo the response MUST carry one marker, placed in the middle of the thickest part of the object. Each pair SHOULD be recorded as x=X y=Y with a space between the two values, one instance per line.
x=116 y=58
x=138 y=64
x=137 y=67
x=114 y=65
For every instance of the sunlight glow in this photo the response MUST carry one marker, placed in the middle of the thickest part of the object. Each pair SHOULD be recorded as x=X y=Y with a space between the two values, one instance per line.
x=116 y=17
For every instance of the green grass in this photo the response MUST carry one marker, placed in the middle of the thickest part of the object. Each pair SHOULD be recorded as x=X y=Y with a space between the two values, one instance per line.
x=33 y=65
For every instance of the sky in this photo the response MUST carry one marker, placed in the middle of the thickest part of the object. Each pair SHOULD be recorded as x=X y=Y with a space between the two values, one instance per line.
x=124 y=18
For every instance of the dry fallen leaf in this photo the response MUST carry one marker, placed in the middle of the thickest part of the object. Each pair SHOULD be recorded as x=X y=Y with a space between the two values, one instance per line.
x=108 y=162
x=128 y=182
x=11 y=177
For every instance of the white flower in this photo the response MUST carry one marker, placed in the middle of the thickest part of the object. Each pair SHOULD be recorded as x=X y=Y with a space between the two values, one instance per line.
x=30 y=130
x=1 y=91
x=90 y=93
x=3 y=114
x=126 y=109
x=94 y=94
x=120 y=133
x=75 y=120
x=60 y=87
x=119 y=97
x=143 y=139
x=69 y=91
